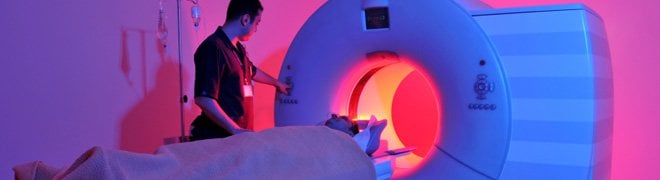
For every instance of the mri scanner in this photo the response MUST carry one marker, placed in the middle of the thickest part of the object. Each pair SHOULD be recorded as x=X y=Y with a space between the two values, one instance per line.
x=517 y=93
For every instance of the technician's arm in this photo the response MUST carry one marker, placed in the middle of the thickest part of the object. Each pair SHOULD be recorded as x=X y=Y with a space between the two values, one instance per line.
x=263 y=77
x=213 y=110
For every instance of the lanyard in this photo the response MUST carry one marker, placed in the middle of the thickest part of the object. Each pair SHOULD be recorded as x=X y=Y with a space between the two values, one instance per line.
x=245 y=64
x=247 y=71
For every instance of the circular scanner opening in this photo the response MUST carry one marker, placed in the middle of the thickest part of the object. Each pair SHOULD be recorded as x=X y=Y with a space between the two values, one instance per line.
x=402 y=95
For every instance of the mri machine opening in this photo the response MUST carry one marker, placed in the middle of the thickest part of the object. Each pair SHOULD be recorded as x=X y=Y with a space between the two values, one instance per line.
x=520 y=93
x=402 y=95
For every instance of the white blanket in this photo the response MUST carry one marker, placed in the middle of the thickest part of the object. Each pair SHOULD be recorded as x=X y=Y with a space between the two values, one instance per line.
x=313 y=152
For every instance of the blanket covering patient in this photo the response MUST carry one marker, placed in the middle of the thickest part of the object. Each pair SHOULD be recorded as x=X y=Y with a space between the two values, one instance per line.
x=294 y=152
x=368 y=139
x=277 y=153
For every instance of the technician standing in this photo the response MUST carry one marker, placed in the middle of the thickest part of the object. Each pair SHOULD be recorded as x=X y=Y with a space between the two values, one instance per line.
x=223 y=75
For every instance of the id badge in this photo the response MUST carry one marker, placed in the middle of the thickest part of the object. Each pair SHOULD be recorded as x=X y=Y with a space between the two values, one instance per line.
x=247 y=90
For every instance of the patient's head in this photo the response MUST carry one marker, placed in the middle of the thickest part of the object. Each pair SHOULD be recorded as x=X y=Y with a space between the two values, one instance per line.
x=343 y=124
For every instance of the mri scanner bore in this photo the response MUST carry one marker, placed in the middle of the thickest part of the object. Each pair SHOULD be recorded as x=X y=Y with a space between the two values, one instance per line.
x=484 y=94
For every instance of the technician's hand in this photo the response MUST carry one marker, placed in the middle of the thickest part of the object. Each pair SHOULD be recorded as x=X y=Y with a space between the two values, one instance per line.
x=282 y=87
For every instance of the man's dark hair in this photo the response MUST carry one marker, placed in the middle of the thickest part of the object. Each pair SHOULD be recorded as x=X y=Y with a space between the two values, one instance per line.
x=237 y=8
x=354 y=127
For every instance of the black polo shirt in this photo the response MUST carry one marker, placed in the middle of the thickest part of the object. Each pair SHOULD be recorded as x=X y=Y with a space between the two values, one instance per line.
x=219 y=74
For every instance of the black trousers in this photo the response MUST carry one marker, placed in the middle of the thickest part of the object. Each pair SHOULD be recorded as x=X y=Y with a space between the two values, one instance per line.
x=204 y=128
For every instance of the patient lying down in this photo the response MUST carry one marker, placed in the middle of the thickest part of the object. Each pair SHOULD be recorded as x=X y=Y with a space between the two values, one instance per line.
x=276 y=153
x=368 y=139
x=292 y=152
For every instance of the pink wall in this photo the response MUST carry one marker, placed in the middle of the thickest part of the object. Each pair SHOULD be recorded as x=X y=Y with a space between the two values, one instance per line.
x=78 y=74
